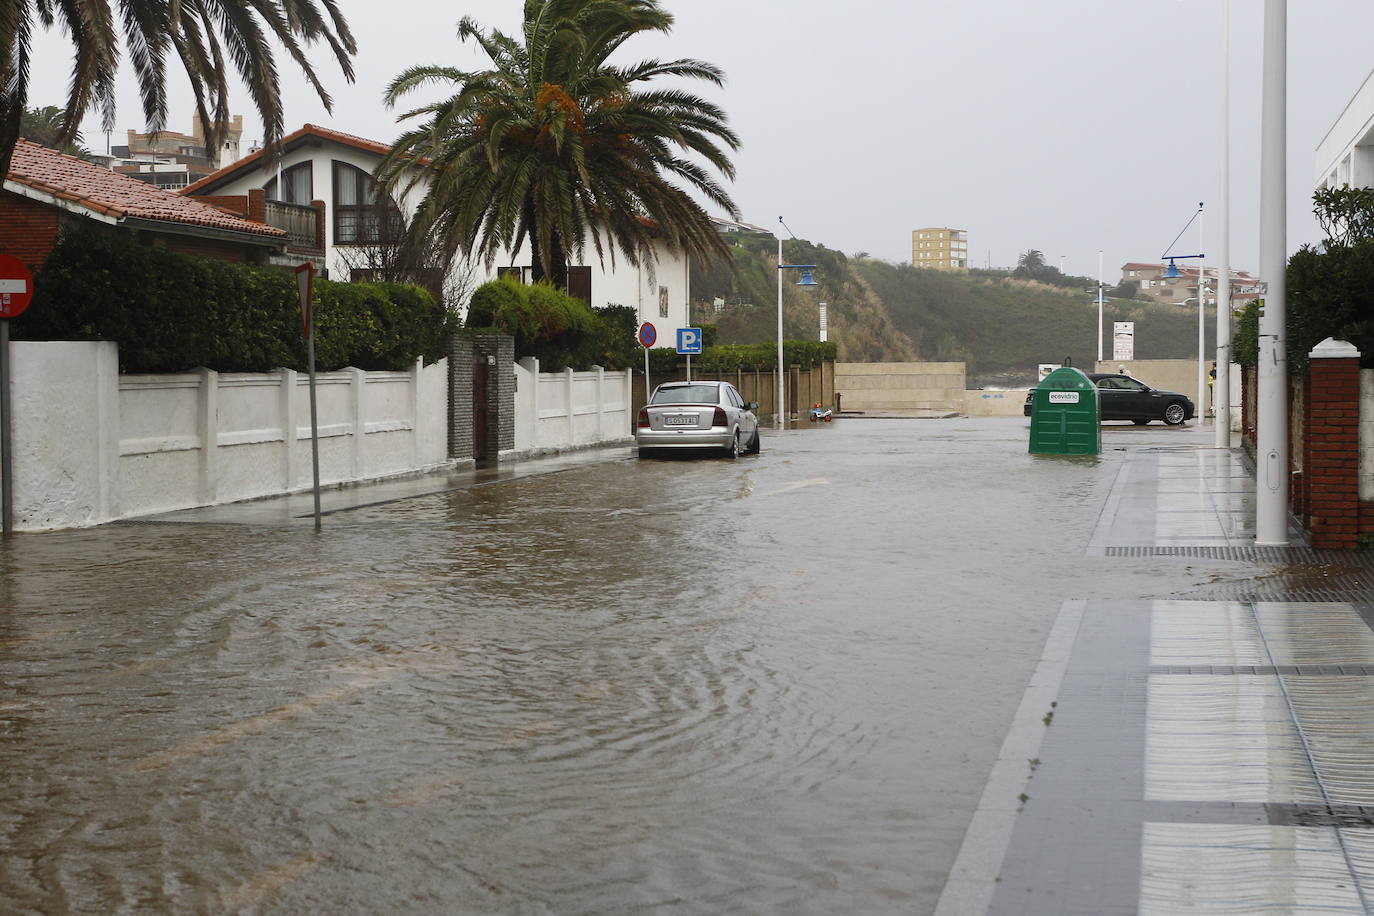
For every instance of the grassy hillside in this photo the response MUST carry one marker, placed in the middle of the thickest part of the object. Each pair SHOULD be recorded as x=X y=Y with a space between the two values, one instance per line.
x=999 y=326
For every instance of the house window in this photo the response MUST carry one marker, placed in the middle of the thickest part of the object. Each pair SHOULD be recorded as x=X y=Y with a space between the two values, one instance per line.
x=363 y=213
x=663 y=302
x=298 y=185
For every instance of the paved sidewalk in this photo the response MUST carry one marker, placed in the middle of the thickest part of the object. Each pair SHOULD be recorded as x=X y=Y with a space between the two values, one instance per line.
x=1189 y=756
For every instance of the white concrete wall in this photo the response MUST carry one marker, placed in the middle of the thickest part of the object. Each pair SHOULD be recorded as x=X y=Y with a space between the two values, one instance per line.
x=557 y=411
x=94 y=446
x=65 y=433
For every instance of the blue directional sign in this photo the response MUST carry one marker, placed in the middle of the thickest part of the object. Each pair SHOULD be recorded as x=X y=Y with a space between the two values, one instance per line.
x=689 y=341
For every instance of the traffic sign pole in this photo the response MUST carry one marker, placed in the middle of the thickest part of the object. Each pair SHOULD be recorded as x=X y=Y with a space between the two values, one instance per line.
x=6 y=453
x=648 y=335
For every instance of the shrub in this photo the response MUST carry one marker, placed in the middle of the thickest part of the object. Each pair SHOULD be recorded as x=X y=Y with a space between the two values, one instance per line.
x=557 y=329
x=171 y=312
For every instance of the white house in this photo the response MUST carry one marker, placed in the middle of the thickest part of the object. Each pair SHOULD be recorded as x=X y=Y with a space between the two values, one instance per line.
x=332 y=171
x=1346 y=154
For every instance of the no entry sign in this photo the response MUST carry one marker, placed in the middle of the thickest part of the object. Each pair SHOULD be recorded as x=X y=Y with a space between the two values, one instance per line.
x=16 y=286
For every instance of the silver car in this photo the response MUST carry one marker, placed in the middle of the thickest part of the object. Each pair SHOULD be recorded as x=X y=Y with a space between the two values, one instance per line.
x=695 y=415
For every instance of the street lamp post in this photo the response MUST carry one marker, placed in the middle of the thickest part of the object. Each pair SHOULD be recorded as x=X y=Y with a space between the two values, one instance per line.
x=1099 y=305
x=1271 y=435
x=806 y=280
x=1221 y=386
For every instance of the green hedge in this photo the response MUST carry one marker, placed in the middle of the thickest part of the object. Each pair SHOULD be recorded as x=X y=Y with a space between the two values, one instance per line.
x=744 y=357
x=559 y=330
x=170 y=312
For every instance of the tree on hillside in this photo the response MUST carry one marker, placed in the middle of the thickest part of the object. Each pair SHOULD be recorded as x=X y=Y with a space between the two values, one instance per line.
x=200 y=34
x=47 y=126
x=1030 y=265
x=1126 y=289
x=554 y=145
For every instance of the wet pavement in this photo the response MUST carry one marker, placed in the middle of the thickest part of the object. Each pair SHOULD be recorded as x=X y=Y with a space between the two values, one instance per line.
x=1205 y=754
x=588 y=684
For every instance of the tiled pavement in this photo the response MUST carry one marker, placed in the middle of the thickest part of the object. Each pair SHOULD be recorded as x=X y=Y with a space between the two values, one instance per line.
x=1185 y=756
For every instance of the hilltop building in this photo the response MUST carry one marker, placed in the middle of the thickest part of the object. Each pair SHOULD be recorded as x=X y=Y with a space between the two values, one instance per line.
x=1154 y=285
x=940 y=249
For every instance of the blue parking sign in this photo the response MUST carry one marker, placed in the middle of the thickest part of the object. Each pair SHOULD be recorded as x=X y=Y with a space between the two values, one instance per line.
x=688 y=341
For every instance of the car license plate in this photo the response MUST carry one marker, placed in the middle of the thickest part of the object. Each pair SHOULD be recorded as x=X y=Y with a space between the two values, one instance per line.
x=679 y=421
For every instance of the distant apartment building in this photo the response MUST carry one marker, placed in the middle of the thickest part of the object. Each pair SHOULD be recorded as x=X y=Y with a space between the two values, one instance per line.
x=1153 y=284
x=940 y=249
x=172 y=160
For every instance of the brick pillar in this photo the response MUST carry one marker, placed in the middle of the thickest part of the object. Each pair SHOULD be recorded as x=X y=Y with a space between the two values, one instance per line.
x=1331 y=450
x=461 y=354
x=1300 y=490
x=500 y=391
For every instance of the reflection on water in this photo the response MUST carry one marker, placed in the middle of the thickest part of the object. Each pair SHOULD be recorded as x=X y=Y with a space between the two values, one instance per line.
x=774 y=684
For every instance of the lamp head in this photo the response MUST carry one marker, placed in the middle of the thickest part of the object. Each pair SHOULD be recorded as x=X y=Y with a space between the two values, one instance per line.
x=1172 y=273
x=806 y=278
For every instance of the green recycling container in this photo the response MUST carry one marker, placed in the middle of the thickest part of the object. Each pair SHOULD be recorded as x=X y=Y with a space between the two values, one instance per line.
x=1064 y=415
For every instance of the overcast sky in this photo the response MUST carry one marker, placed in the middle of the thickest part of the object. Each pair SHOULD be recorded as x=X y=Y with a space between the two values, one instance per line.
x=1067 y=125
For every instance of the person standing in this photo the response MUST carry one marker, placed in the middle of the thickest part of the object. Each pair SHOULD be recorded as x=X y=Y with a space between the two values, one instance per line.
x=1211 y=391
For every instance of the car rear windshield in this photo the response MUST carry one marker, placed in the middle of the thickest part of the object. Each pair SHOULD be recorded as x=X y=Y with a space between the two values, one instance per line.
x=687 y=394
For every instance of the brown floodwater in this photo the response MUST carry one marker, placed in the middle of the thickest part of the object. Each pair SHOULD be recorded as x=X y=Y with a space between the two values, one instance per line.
x=769 y=685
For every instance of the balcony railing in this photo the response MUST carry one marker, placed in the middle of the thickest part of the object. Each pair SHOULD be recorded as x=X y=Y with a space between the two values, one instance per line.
x=298 y=220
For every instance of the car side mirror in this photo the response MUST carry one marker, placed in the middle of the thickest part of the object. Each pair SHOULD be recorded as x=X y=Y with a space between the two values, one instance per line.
x=751 y=405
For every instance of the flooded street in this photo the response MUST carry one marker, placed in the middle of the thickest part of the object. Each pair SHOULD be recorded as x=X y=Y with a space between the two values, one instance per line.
x=770 y=685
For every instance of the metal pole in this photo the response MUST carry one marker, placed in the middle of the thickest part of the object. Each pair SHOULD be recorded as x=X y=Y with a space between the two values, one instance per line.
x=315 y=422
x=689 y=367
x=1099 y=305
x=6 y=450
x=1221 y=386
x=1271 y=459
x=778 y=424
x=646 y=375
x=1201 y=405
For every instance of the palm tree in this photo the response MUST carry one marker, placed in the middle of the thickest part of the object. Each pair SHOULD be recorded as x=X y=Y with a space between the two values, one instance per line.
x=201 y=34
x=47 y=126
x=555 y=145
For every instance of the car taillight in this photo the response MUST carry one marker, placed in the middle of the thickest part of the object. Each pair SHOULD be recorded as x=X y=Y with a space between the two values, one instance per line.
x=718 y=418
x=643 y=418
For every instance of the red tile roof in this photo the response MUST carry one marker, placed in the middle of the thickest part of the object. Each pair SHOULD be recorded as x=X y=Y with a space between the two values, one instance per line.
x=290 y=140
x=108 y=193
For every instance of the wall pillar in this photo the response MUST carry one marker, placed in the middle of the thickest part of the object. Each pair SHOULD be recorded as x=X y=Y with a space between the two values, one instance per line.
x=1332 y=430
x=208 y=421
x=568 y=400
x=289 y=424
x=600 y=403
x=357 y=379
